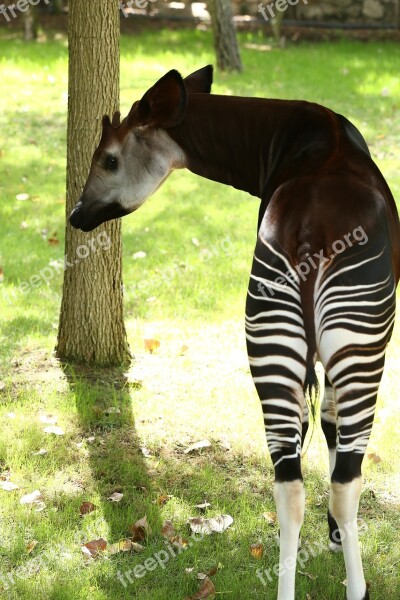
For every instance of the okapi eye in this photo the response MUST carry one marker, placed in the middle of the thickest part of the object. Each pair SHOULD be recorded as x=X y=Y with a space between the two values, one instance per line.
x=111 y=163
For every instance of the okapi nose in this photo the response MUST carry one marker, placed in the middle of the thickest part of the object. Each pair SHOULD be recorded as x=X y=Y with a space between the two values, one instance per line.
x=74 y=217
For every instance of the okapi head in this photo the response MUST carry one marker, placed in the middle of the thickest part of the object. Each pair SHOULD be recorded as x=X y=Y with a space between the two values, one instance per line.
x=135 y=156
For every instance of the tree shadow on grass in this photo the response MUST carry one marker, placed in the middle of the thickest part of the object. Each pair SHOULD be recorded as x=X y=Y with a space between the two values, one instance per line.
x=117 y=466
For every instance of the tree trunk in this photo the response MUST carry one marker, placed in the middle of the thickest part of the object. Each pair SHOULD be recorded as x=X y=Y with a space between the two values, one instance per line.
x=225 y=42
x=30 y=24
x=91 y=328
x=276 y=24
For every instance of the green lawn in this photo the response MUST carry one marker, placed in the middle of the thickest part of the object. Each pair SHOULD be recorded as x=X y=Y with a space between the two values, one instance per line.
x=198 y=238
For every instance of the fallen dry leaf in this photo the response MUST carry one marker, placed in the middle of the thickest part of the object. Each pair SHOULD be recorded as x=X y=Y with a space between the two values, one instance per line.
x=210 y=573
x=93 y=548
x=116 y=497
x=140 y=530
x=49 y=419
x=22 y=197
x=198 y=446
x=55 y=429
x=168 y=529
x=86 y=508
x=137 y=547
x=40 y=452
x=184 y=349
x=207 y=590
x=122 y=546
x=151 y=344
x=225 y=444
x=203 y=506
x=163 y=499
x=179 y=542
x=112 y=410
x=31 y=498
x=375 y=458
x=8 y=486
x=211 y=525
x=53 y=241
x=257 y=551
x=270 y=517
x=307 y=575
x=31 y=545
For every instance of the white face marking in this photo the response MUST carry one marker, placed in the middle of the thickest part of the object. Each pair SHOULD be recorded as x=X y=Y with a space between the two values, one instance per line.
x=145 y=160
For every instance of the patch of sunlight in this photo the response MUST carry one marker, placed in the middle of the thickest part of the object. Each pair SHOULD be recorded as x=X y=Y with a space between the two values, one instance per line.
x=382 y=84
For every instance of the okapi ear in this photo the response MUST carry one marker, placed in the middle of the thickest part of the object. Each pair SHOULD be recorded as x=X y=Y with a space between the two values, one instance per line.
x=164 y=104
x=116 y=120
x=200 y=81
x=106 y=123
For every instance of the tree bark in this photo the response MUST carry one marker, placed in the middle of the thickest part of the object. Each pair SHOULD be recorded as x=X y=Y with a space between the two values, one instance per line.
x=276 y=24
x=91 y=327
x=30 y=24
x=225 y=42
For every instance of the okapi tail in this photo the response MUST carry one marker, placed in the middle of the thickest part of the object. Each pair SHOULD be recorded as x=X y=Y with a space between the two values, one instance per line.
x=311 y=390
x=311 y=384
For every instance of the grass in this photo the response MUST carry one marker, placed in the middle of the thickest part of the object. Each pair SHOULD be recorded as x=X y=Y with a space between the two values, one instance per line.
x=198 y=239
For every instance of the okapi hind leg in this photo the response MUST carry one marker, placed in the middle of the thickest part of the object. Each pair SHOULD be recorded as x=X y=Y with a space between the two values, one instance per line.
x=354 y=312
x=304 y=423
x=277 y=351
x=329 y=428
x=356 y=405
x=343 y=505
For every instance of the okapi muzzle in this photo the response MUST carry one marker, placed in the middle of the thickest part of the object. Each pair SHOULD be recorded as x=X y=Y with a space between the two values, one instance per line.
x=136 y=156
x=318 y=290
x=89 y=213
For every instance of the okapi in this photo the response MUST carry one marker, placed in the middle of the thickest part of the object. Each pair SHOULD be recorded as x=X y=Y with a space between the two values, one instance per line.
x=324 y=274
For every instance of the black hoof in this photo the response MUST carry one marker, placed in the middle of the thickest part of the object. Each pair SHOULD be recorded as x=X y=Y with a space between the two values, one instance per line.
x=334 y=533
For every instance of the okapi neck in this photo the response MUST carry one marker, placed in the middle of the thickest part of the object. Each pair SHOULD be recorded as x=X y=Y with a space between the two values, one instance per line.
x=236 y=141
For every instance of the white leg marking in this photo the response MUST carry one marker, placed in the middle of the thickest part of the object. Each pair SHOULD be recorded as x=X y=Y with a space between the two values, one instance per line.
x=343 y=505
x=290 y=501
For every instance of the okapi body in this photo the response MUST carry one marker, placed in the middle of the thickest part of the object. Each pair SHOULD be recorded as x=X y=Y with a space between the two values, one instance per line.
x=324 y=274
